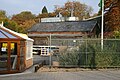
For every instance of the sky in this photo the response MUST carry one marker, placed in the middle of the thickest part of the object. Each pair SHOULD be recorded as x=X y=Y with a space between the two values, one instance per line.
x=35 y=6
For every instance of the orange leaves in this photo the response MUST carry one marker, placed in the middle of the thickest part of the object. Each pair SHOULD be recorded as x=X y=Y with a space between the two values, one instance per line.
x=75 y=8
x=112 y=17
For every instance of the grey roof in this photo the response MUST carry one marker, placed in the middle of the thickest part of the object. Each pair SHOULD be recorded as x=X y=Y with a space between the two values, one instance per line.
x=81 y=26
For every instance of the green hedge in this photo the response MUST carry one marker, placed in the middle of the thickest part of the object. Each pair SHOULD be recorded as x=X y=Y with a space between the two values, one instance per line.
x=91 y=55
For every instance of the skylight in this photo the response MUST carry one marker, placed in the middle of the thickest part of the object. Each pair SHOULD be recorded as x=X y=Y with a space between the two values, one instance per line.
x=4 y=34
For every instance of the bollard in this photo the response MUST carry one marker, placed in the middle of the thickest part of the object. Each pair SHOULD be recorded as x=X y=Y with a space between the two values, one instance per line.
x=36 y=68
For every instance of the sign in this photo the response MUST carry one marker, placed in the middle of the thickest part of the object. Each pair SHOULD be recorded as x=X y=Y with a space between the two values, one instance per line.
x=3 y=49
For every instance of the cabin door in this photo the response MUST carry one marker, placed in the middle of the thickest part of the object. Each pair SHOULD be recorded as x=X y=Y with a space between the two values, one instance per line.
x=8 y=56
x=4 y=57
x=13 y=56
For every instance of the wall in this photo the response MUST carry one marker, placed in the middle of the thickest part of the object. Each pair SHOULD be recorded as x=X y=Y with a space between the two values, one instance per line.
x=29 y=63
x=42 y=38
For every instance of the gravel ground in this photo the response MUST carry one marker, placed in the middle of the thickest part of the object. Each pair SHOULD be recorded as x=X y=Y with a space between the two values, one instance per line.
x=80 y=75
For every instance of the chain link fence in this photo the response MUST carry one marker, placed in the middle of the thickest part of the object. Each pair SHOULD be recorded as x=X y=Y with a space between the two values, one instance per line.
x=85 y=53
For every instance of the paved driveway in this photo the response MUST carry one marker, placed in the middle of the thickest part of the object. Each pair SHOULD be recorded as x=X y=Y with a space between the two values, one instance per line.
x=81 y=75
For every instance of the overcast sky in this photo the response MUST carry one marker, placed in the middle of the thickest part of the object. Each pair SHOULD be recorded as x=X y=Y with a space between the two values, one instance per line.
x=35 y=6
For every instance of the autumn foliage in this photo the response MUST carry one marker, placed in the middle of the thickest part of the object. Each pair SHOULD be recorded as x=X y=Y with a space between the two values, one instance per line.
x=74 y=8
x=112 y=15
x=112 y=18
x=22 y=21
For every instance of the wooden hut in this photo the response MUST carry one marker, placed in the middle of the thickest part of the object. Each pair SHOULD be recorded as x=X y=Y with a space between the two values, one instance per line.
x=15 y=51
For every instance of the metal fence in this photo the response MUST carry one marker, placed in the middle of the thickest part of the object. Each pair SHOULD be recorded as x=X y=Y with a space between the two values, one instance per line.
x=85 y=53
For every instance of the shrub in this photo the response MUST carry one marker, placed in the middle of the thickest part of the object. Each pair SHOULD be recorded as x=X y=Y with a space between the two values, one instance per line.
x=91 y=55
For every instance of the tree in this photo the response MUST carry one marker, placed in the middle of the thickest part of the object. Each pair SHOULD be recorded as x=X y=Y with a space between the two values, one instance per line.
x=44 y=10
x=24 y=19
x=27 y=24
x=44 y=14
x=53 y=14
x=9 y=23
x=74 y=8
x=13 y=26
x=112 y=15
x=3 y=14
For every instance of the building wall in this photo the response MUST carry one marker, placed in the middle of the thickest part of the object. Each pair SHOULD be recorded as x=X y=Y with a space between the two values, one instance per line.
x=29 y=63
x=42 y=38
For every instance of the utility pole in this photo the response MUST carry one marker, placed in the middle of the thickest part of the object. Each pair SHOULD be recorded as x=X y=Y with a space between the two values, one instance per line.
x=102 y=24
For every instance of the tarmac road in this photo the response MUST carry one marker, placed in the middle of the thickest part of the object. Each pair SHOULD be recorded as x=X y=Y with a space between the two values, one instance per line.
x=81 y=75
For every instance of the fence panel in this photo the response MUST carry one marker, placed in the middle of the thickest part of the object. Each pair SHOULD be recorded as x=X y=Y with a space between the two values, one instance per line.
x=86 y=53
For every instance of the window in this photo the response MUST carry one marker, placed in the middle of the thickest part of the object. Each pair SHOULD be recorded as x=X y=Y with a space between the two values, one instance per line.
x=4 y=48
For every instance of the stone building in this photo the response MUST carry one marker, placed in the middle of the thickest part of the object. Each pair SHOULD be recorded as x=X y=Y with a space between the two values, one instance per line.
x=41 y=32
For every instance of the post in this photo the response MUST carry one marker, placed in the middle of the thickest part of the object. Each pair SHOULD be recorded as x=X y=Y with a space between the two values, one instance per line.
x=2 y=24
x=86 y=53
x=102 y=25
x=50 y=59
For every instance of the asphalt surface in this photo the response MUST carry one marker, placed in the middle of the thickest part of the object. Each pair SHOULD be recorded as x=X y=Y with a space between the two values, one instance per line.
x=81 y=75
